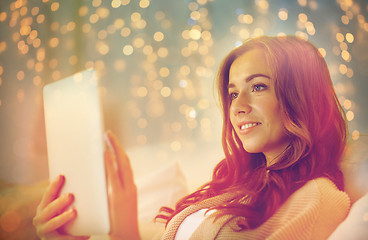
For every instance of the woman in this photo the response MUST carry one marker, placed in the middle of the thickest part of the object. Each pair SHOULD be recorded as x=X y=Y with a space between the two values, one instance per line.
x=284 y=132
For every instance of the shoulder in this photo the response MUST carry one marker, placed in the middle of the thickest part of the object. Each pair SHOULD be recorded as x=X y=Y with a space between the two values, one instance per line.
x=318 y=207
x=322 y=191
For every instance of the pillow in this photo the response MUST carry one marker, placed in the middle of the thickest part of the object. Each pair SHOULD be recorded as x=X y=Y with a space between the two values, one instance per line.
x=163 y=187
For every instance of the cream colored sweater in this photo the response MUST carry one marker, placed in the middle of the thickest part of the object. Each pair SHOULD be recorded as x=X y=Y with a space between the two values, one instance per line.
x=312 y=212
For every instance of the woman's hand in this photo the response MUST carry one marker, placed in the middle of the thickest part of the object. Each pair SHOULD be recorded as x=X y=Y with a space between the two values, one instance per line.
x=52 y=213
x=122 y=191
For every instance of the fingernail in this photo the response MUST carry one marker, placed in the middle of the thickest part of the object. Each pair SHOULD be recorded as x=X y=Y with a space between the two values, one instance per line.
x=71 y=196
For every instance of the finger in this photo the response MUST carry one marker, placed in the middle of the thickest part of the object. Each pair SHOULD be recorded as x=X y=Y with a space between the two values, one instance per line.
x=54 y=208
x=57 y=222
x=52 y=191
x=113 y=178
x=122 y=160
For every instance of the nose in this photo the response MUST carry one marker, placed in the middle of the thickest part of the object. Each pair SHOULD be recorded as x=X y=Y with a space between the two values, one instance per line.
x=240 y=106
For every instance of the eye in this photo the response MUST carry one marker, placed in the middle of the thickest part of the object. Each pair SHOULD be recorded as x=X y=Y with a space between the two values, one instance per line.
x=258 y=87
x=233 y=95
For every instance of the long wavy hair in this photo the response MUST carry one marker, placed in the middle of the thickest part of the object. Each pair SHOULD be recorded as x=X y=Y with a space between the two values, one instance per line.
x=313 y=118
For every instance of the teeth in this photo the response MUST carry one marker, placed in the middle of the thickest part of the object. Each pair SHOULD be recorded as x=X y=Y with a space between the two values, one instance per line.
x=248 y=125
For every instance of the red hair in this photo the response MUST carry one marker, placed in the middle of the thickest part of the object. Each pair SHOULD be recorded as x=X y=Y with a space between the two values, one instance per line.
x=313 y=118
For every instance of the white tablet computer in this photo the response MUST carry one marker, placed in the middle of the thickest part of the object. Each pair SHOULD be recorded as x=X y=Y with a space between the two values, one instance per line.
x=75 y=147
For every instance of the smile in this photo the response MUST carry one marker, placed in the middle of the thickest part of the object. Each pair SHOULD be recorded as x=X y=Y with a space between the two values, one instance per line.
x=248 y=125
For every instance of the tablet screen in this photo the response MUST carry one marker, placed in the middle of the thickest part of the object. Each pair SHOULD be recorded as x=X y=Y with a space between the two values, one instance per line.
x=75 y=146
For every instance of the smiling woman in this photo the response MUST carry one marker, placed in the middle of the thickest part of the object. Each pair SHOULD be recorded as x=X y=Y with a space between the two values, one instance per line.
x=282 y=148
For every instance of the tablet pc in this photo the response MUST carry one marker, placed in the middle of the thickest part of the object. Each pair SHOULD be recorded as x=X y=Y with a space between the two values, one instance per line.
x=75 y=148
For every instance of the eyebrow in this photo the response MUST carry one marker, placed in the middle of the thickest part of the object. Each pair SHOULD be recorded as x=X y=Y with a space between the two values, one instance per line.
x=250 y=78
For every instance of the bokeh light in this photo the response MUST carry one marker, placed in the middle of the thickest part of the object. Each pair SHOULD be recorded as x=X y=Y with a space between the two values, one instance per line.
x=157 y=62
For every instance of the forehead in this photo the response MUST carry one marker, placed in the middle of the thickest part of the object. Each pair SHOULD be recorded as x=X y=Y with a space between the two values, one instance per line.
x=249 y=63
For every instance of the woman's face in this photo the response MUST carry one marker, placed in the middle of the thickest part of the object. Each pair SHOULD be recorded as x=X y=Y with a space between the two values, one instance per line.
x=254 y=109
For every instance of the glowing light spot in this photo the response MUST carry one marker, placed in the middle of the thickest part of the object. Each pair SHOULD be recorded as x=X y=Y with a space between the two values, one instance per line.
x=195 y=15
x=346 y=56
x=128 y=50
x=119 y=23
x=184 y=70
x=136 y=16
x=2 y=46
x=302 y=3
x=54 y=42
x=310 y=28
x=147 y=50
x=349 y=37
x=96 y=3
x=283 y=14
x=138 y=42
x=195 y=34
x=350 y=116
x=347 y=104
x=115 y=3
x=125 y=32
x=202 y=2
x=1 y=70
x=37 y=80
x=82 y=11
x=322 y=51
x=162 y=52
x=86 y=28
x=355 y=135
x=70 y=26
x=20 y=75
x=345 y=19
x=165 y=92
x=102 y=48
x=350 y=73
x=183 y=83
x=247 y=19
x=301 y=35
x=257 y=32
x=103 y=12
x=164 y=72
x=125 y=2
x=340 y=37
x=54 y=6
x=40 y=18
x=244 y=33
x=3 y=16
x=343 y=46
x=158 y=36
x=343 y=69
x=142 y=92
x=25 y=30
x=262 y=4
x=144 y=3
x=94 y=18
x=193 y=6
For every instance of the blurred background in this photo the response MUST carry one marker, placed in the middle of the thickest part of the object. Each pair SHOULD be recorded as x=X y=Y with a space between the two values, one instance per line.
x=157 y=63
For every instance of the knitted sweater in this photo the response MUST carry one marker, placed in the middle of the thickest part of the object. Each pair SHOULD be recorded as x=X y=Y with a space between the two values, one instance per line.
x=312 y=212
